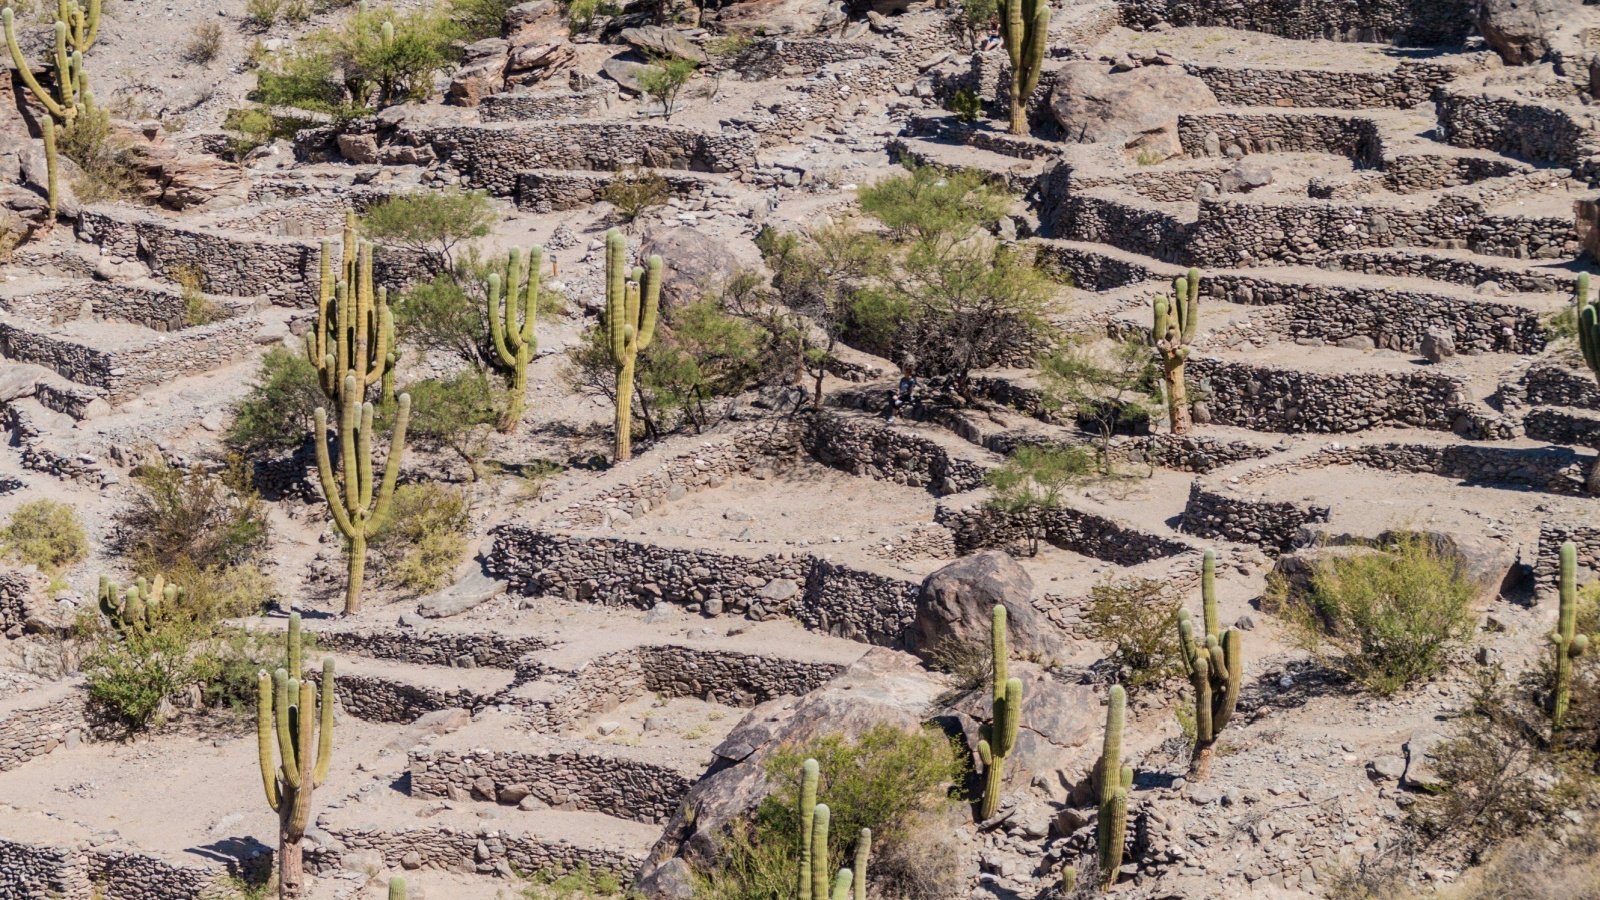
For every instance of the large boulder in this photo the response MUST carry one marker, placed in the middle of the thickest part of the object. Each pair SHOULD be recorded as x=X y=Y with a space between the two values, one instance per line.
x=1136 y=110
x=1522 y=31
x=955 y=609
x=774 y=18
x=697 y=264
x=655 y=41
x=1058 y=738
x=884 y=687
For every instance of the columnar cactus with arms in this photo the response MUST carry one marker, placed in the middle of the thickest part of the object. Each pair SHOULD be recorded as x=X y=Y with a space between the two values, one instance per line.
x=359 y=508
x=1216 y=663
x=512 y=328
x=76 y=30
x=632 y=301
x=1001 y=733
x=288 y=719
x=1025 y=29
x=1173 y=331
x=1569 y=645
x=1589 y=343
x=1113 y=780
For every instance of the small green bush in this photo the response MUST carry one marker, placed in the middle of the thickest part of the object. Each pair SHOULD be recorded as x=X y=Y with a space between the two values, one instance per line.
x=480 y=19
x=105 y=161
x=46 y=534
x=1030 y=484
x=888 y=780
x=228 y=669
x=425 y=537
x=1138 y=618
x=208 y=520
x=130 y=675
x=635 y=193
x=1387 y=618
x=966 y=105
x=456 y=414
x=275 y=416
x=664 y=79
x=263 y=14
x=581 y=883
x=582 y=13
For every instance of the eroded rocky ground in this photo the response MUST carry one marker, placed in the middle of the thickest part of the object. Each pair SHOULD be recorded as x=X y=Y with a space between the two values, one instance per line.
x=1385 y=215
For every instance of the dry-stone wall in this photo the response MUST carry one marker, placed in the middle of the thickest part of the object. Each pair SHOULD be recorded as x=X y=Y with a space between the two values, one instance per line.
x=1271 y=525
x=1555 y=385
x=979 y=528
x=42 y=872
x=587 y=103
x=1405 y=86
x=1567 y=427
x=435 y=648
x=1215 y=133
x=772 y=57
x=378 y=699
x=1411 y=264
x=16 y=594
x=30 y=731
x=235 y=264
x=1423 y=22
x=727 y=677
x=1547 y=564
x=484 y=849
x=1289 y=400
x=838 y=599
x=571 y=775
x=1535 y=131
x=1554 y=469
x=550 y=190
x=866 y=447
x=128 y=370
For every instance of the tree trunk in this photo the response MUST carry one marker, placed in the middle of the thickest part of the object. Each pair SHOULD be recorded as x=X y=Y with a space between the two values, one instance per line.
x=1177 y=399
x=356 y=574
x=291 y=865
x=1592 y=484
x=1200 y=763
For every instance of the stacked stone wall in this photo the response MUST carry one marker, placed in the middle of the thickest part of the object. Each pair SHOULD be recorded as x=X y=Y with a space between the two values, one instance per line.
x=30 y=731
x=1452 y=269
x=479 y=850
x=979 y=528
x=868 y=448
x=552 y=190
x=1272 y=525
x=1409 y=22
x=587 y=103
x=1542 y=132
x=1547 y=561
x=1405 y=86
x=1289 y=400
x=583 y=776
x=727 y=677
x=435 y=648
x=1556 y=385
x=1210 y=134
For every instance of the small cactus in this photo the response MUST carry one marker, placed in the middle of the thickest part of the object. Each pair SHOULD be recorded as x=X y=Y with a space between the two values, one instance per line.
x=512 y=328
x=820 y=818
x=863 y=856
x=295 y=744
x=138 y=608
x=1001 y=733
x=361 y=507
x=1173 y=330
x=809 y=774
x=1216 y=667
x=633 y=299
x=1113 y=781
x=1569 y=645
x=397 y=889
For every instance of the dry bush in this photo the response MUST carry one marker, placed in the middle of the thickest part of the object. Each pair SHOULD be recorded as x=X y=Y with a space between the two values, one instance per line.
x=205 y=43
x=1537 y=866
x=1138 y=618
x=633 y=193
x=46 y=534
x=425 y=537
x=925 y=863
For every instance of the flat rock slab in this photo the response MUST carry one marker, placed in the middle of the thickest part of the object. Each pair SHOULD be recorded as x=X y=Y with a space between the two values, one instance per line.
x=456 y=599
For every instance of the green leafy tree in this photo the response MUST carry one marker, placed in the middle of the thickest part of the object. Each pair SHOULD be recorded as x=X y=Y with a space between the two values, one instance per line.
x=455 y=414
x=430 y=222
x=276 y=414
x=1030 y=484
x=442 y=315
x=928 y=204
x=664 y=79
x=1105 y=390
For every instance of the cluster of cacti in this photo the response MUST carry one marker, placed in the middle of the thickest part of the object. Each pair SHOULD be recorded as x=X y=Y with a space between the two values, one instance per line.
x=1216 y=663
x=1025 y=29
x=1176 y=322
x=512 y=329
x=1001 y=733
x=815 y=820
x=76 y=30
x=295 y=742
x=358 y=506
x=139 y=607
x=1588 y=316
x=1568 y=643
x=354 y=334
x=1112 y=780
x=633 y=298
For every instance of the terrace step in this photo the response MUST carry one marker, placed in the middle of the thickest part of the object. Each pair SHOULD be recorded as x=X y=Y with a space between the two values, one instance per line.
x=384 y=691
x=1461 y=267
x=1018 y=175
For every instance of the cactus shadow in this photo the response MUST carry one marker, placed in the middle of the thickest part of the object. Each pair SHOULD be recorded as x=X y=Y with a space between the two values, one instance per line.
x=245 y=858
x=1291 y=686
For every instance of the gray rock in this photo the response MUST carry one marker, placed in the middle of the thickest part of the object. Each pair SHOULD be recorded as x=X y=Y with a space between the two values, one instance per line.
x=653 y=41
x=1438 y=346
x=956 y=605
x=1135 y=110
x=1521 y=31
x=468 y=593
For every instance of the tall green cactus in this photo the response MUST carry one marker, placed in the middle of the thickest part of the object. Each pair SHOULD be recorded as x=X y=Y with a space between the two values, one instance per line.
x=1025 y=29
x=1113 y=781
x=52 y=166
x=76 y=30
x=358 y=509
x=1569 y=645
x=820 y=819
x=288 y=720
x=397 y=889
x=354 y=334
x=1589 y=343
x=1001 y=733
x=138 y=608
x=1216 y=666
x=863 y=857
x=810 y=772
x=512 y=329
x=1173 y=331
x=633 y=300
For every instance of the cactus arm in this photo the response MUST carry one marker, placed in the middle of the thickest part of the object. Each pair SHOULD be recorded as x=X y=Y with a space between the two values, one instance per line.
x=616 y=292
x=300 y=817
x=1013 y=707
x=289 y=768
x=810 y=773
x=294 y=643
x=94 y=26
x=863 y=855
x=330 y=488
x=819 y=851
x=325 y=726
x=1208 y=591
x=363 y=492
x=1204 y=725
x=52 y=168
x=997 y=645
x=650 y=295
x=528 y=339
x=21 y=63
x=841 y=885
x=497 y=331
x=382 y=336
x=266 y=737
x=397 y=889
x=1233 y=652
x=391 y=466
x=1034 y=52
x=1111 y=749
